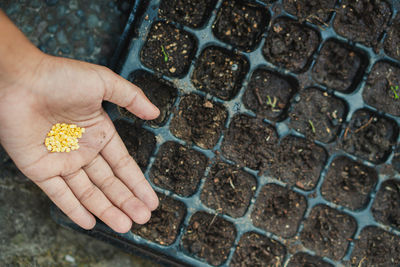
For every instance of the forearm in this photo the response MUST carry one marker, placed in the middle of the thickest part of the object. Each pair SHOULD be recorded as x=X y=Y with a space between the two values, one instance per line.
x=18 y=56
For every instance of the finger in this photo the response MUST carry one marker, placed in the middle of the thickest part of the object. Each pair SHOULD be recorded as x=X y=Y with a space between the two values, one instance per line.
x=124 y=167
x=96 y=202
x=62 y=196
x=125 y=94
x=101 y=175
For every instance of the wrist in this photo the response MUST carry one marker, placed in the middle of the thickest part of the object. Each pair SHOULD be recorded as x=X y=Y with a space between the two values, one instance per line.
x=19 y=58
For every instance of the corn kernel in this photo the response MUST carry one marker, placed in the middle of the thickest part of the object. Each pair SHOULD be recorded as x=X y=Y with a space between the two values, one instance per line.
x=63 y=137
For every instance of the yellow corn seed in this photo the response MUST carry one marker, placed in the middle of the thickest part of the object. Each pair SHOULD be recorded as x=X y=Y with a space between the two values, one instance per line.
x=63 y=137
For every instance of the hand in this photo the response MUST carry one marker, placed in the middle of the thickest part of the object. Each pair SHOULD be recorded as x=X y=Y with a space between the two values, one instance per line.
x=100 y=178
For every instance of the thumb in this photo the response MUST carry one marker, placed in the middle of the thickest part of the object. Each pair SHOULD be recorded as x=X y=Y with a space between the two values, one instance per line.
x=127 y=95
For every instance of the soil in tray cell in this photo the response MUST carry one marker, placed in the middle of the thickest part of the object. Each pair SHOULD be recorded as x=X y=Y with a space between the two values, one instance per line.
x=164 y=223
x=199 y=120
x=348 y=183
x=219 y=72
x=298 y=162
x=327 y=232
x=160 y=92
x=193 y=13
x=168 y=50
x=392 y=40
x=382 y=89
x=386 y=207
x=241 y=24
x=258 y=250
x=317 y=115
x=369 y=136
x=317 y=11
x=178 y=168
x=139 y=142
x=376 y=247
x=338 y=67
x=249 y=142
x=228 y=189
x=306 y=260
x=279 y=210
x=362 y=21
x=209 y=237
x=268 y=94
x=290 y=45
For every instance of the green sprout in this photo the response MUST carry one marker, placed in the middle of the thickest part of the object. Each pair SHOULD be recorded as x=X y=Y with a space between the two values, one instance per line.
x=312 y=126
x=270 y=102
x=273 y=103
x=395 y=90
x=164 y=53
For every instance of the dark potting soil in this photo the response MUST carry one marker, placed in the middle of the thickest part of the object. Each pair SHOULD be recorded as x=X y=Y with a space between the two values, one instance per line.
x=279 y=210
x=306 y=260
x=317 y=11
x=383 y=81
x=178 y=168
x=160 y=93
x=258 y=250
x=290 y=45
x=298 y=162
x=268 y=94
x=249 y=142
x=338 y=67
x=376 y=247
x=349 y=183
x=165 y=221
x=228 y=189
x=327 y=232
x=369 y=136
x=317 y=115
x=168 y=50
x=219 y=72
x=241 y=24
x=139 y=142
x=209 y=237
x=386 y=207
x=362 y=21
x=392 y=40
x=193 y=13
x=199 y=120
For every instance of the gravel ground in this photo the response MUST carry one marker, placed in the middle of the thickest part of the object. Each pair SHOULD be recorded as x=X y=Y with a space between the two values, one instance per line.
x=85 y=30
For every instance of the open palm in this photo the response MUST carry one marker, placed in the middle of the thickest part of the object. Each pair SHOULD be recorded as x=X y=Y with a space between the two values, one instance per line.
x=99 y=178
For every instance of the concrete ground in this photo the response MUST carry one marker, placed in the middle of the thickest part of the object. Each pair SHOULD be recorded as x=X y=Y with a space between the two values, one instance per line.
x=86 y=30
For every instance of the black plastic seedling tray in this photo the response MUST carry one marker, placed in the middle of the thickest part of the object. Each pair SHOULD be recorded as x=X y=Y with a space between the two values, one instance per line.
x=307 y=151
